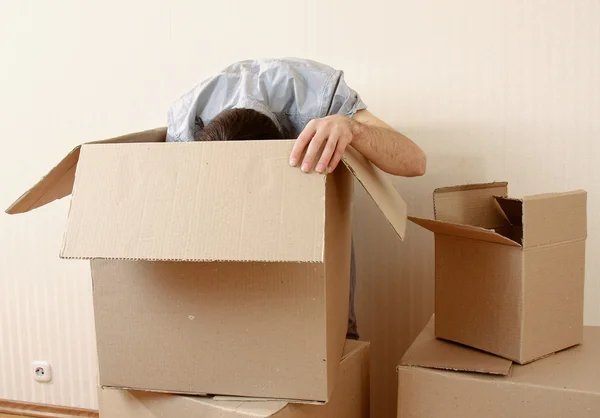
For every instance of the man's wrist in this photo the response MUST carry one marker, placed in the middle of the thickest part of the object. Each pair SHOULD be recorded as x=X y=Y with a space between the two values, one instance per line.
x=357 y=130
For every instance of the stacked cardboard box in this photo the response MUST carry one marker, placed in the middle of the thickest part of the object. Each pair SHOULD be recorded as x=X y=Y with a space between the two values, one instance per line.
x=509 y=281
x=217 y=269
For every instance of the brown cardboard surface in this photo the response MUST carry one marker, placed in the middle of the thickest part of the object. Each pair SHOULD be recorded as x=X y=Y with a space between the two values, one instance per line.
x=394 y=296
x=187 y=201
x=469 y=205
x=463 y=231
x=349 y=400
x=478 y=295
x=428 y=351
x=58 y=183
x=563 y=385
x=248 y=329
x=258 y=329
x=338 y=229
x=515 y=290
x=555 y=278
x=133 y=219
x=555 y=218
x=380 y=188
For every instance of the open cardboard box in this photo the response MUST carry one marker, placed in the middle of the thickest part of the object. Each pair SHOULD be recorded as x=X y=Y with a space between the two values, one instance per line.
x=440 y=379
x=350 y=398
x=509 y=273
x=217 y=268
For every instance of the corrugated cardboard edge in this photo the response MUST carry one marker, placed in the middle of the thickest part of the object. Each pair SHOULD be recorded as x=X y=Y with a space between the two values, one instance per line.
x=380 y=188
x=429 y=352
x=470 y=186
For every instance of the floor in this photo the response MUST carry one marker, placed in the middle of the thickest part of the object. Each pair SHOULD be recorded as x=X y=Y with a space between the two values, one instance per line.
x=11 y=409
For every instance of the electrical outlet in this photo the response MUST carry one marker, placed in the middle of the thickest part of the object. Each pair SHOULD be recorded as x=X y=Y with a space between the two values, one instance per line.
x=42 y=371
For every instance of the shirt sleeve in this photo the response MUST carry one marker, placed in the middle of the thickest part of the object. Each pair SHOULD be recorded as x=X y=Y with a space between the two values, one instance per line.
x=344 y=100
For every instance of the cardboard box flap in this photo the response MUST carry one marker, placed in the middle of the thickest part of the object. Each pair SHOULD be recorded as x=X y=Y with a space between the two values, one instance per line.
x=380 y=188
x=195 y=202
x=463 y=231
x=471 y=204
x=429 y=352
x=58 y=183
x=55 y=185
x=551 y=219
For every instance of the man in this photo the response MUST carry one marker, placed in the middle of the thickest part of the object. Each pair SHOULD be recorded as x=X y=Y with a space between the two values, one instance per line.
x=296 y=99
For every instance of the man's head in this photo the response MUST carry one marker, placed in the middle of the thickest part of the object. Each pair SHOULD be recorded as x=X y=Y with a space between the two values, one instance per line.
x=239 y=125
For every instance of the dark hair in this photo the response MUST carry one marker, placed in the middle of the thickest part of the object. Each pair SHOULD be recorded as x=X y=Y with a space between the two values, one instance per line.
x=239 y=125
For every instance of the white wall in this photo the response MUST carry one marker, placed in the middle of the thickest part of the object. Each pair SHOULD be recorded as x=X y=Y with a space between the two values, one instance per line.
x=492 y=90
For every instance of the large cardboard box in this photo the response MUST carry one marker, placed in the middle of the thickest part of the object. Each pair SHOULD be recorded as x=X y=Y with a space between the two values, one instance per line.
x=350 y=398
x=509 y=273
x=216 y=267
x=440 y=379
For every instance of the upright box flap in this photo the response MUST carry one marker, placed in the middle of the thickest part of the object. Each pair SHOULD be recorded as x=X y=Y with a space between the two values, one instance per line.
x=195 y=201
x=58 y=183
x=463 y=231
x=380 y=188
x=429 y=352
x=554 y=218
x=471 y=204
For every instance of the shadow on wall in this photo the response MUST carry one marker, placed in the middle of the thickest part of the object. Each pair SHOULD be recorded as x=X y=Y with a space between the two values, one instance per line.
x=394 y=298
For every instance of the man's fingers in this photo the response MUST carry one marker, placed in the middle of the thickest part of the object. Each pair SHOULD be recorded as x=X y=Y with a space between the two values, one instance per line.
x=303 y=139
x=337 y=156
x=313 y=149
x=328 y=152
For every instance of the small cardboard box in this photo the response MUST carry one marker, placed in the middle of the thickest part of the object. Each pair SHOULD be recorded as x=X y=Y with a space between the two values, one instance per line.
x=440 y=379
x=216 y=267
x=509 y=273
x=350 y=399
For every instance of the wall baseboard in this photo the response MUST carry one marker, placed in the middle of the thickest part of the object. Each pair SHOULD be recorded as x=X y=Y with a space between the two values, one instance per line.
x=43 y=411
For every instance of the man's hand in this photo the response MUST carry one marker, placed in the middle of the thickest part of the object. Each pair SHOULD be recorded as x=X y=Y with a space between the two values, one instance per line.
x=381 y=144
x=331 y=134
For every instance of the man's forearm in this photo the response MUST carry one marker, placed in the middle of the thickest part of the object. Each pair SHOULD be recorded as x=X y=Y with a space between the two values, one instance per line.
x=388 y=149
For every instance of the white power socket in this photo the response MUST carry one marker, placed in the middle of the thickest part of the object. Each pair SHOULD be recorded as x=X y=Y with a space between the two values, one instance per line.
x=42 y=371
